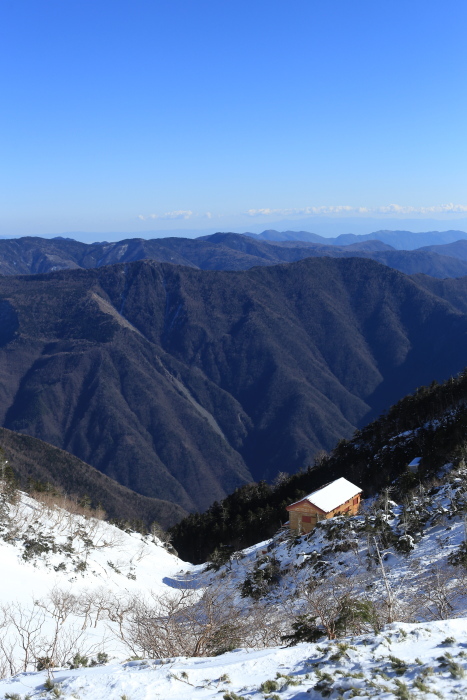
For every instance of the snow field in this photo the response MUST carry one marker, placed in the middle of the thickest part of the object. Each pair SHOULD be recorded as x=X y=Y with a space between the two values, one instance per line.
x=48 y=550
x=83 y=563
x=426 y=660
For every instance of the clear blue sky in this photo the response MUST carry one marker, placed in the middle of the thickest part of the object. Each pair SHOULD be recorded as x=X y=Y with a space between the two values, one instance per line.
x=115 y=109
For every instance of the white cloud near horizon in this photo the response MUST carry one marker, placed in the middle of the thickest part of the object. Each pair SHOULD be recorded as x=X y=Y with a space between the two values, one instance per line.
x=390 y=209
x=179 y=214
x=173 y=215
x=346 y=209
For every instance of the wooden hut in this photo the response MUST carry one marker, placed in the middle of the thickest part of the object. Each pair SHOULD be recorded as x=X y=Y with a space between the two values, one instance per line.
x=336 y=498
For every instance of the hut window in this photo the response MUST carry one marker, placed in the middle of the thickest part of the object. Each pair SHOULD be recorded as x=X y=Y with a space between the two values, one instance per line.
x=306 y=518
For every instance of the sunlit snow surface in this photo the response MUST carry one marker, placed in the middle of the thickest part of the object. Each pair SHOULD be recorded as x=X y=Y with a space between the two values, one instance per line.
x=432 y=656
x=117 y=560
x=91 y=556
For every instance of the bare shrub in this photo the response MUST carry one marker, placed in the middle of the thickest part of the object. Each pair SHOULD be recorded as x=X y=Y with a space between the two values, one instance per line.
x=264 y=625
x=7 y=662
x=337 y=607
x=95 y=605
x=439 y=591
x=59 y=604
x=187 y=623
x=42 y=635
x=23 y=641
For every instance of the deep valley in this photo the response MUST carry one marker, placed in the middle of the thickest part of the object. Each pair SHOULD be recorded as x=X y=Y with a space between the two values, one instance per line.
x=183 y=384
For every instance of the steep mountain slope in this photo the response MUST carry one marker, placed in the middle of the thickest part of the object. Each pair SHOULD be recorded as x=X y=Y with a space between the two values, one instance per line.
x=33 y=459
x=221 y=251
x=429 y=424
x=457 y=249
x=183 y=384
x=50 y=559
x=453 y=290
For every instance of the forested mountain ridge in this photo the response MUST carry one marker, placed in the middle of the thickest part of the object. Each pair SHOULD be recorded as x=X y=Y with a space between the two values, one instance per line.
x=36 y=464
x=453 y=291
x=456 y=249
x=183 y=384
x=220 y=251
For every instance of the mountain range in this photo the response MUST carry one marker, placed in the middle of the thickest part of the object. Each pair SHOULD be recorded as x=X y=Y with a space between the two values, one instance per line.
x=232 y=251
x=402 y=240
x=182 y=384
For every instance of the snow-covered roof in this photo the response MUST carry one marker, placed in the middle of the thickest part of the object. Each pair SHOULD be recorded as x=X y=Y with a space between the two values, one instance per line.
x=332 y=495
x=415 y=462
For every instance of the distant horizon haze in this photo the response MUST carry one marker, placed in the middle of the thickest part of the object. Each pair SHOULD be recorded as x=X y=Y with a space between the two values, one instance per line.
x=326 y=227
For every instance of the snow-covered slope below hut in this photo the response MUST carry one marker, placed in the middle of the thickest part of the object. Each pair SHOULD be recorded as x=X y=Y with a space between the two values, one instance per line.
x=405 y=661
x=403 y=561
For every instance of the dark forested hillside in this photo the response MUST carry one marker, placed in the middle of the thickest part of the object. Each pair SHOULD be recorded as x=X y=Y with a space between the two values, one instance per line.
x=183 y=384
x=456 y=249
x=34 y=461
x=452 y=290
x=431 y=424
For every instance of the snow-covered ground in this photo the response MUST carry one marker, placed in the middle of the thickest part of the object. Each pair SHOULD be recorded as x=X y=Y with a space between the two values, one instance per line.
x=406 y=661
x=64 y=572
x=52 y=548
x=53 y=564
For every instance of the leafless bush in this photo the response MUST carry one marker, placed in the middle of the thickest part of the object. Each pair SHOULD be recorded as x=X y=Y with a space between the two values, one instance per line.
x=338 y=607
x=59 y=604
x=187 y=623
x=23 y=640
x=265 y=625
x=439 y=591
x=180 y=624
x=95 y=605
x=7 y=663
x=42 y=633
